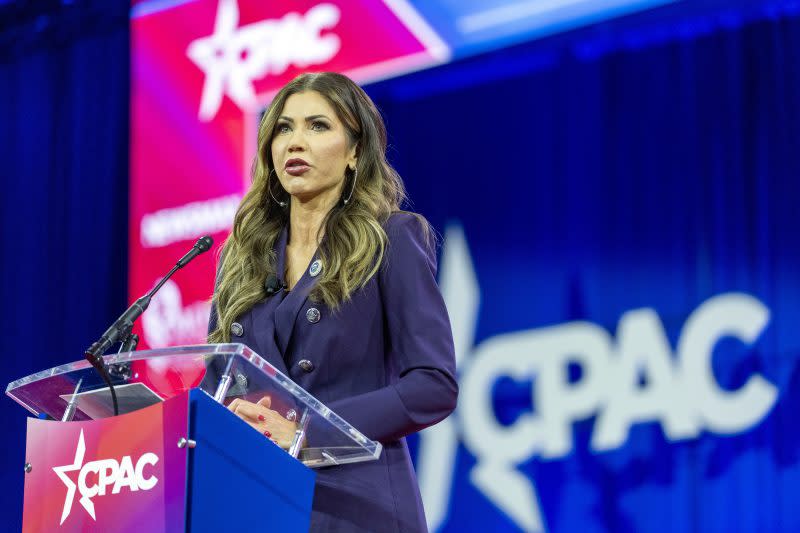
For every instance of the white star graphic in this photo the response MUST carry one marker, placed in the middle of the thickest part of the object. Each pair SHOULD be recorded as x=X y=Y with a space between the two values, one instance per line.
x=234 y=56
x=61 y=472
x=218 y=55
x=508 y=489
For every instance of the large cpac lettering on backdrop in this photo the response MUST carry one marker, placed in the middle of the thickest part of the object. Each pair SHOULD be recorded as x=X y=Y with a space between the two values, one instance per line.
x=679 y=391
x=233 y=57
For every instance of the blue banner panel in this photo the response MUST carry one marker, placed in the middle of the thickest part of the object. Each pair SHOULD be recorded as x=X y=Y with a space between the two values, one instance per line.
x=470 y=26
x=619 y=258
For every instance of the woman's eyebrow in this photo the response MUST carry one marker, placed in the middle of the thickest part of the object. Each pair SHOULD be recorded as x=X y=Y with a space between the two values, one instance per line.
x=308 y=118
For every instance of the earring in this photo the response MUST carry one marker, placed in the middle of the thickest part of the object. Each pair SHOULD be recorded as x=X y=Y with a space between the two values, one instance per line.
x=355 y=175
x=269 y=187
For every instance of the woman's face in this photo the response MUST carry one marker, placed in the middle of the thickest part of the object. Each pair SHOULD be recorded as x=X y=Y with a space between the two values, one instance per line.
x=311 y=149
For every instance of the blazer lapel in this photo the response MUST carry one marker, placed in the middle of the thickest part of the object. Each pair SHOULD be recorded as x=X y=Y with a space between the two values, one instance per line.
x=263 y=337
x=261 y=317
x=287 y=311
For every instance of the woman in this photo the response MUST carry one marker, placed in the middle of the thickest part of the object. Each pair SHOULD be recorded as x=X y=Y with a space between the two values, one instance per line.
x=324 y=269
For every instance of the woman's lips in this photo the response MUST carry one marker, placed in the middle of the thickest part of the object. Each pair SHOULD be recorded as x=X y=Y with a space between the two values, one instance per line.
x=297 y=170
x=296 y=166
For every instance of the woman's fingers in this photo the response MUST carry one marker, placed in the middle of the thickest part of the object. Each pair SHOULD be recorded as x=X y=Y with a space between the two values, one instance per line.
x=251 y=410
x=260 y=428
x=233 y=404
x=266 y=401
x=255 y=412
x=266 y=421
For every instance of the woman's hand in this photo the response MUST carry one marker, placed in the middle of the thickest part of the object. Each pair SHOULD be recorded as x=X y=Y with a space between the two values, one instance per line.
x=274 y=426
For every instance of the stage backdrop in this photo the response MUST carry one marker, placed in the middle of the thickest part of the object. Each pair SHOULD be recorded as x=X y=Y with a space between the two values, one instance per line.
x=204 y=70
x=617 y=210
x=618 y=249
x=619 y=259
x=64 y=81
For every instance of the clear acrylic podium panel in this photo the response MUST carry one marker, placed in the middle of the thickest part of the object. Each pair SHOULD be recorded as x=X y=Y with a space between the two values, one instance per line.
x=143 y=378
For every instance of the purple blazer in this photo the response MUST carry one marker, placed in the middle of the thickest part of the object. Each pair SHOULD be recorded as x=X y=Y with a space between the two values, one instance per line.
x=384 y=361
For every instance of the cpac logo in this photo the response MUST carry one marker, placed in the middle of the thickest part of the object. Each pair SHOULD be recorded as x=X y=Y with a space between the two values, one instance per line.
x=680 y=390
x=233 y=57
x=103 y=474
x=168 y=322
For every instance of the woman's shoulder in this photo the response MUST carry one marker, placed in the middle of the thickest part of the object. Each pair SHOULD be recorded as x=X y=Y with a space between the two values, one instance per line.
x=404 y=222
x=409 y=235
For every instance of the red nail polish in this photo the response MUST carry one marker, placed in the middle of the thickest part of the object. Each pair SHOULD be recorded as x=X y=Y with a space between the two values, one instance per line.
x=267 y=433
x=261 y=418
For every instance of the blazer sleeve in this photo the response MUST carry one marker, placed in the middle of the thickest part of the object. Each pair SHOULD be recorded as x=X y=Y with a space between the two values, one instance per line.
x=419 y=347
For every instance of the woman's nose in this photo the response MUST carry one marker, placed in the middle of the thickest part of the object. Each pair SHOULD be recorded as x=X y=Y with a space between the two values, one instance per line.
x=297 y=142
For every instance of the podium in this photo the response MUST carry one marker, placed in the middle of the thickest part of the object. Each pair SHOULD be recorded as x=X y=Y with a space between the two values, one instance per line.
x=174 y=458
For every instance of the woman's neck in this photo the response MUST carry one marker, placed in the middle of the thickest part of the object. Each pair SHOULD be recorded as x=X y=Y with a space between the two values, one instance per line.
x=305 y=222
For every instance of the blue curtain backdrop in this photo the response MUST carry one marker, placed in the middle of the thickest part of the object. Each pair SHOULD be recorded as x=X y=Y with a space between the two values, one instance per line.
x=649 y=162
x=64 y=156
x=628 y=166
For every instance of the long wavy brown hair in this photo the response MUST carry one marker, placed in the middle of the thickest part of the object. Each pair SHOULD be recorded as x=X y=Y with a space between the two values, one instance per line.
x=354 y=239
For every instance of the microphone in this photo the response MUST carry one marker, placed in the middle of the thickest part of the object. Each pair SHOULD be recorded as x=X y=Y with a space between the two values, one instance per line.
x=122 y=326
x=203 y=244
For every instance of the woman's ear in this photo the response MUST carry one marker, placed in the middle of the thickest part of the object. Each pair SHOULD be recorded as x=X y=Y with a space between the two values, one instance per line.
x=352 y=158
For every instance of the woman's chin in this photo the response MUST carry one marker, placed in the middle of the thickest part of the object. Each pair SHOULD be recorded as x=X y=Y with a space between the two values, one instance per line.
x=306 y=194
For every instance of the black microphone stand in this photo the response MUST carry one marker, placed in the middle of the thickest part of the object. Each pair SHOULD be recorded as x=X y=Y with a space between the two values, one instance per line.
x=120 y=330
x=129 y=343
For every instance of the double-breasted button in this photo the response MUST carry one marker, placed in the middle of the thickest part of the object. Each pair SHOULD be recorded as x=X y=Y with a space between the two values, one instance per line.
x=237 y=329
x=291 y=415
x=313 y=315
x=315 y=268
x=306 y=365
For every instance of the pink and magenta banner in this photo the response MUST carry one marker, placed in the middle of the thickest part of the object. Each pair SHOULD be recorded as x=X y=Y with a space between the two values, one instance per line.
x=202 y=73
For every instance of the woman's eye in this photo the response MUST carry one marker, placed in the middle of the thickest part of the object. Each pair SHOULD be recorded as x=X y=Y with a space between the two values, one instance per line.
x=319 y=126
x=283 y=128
